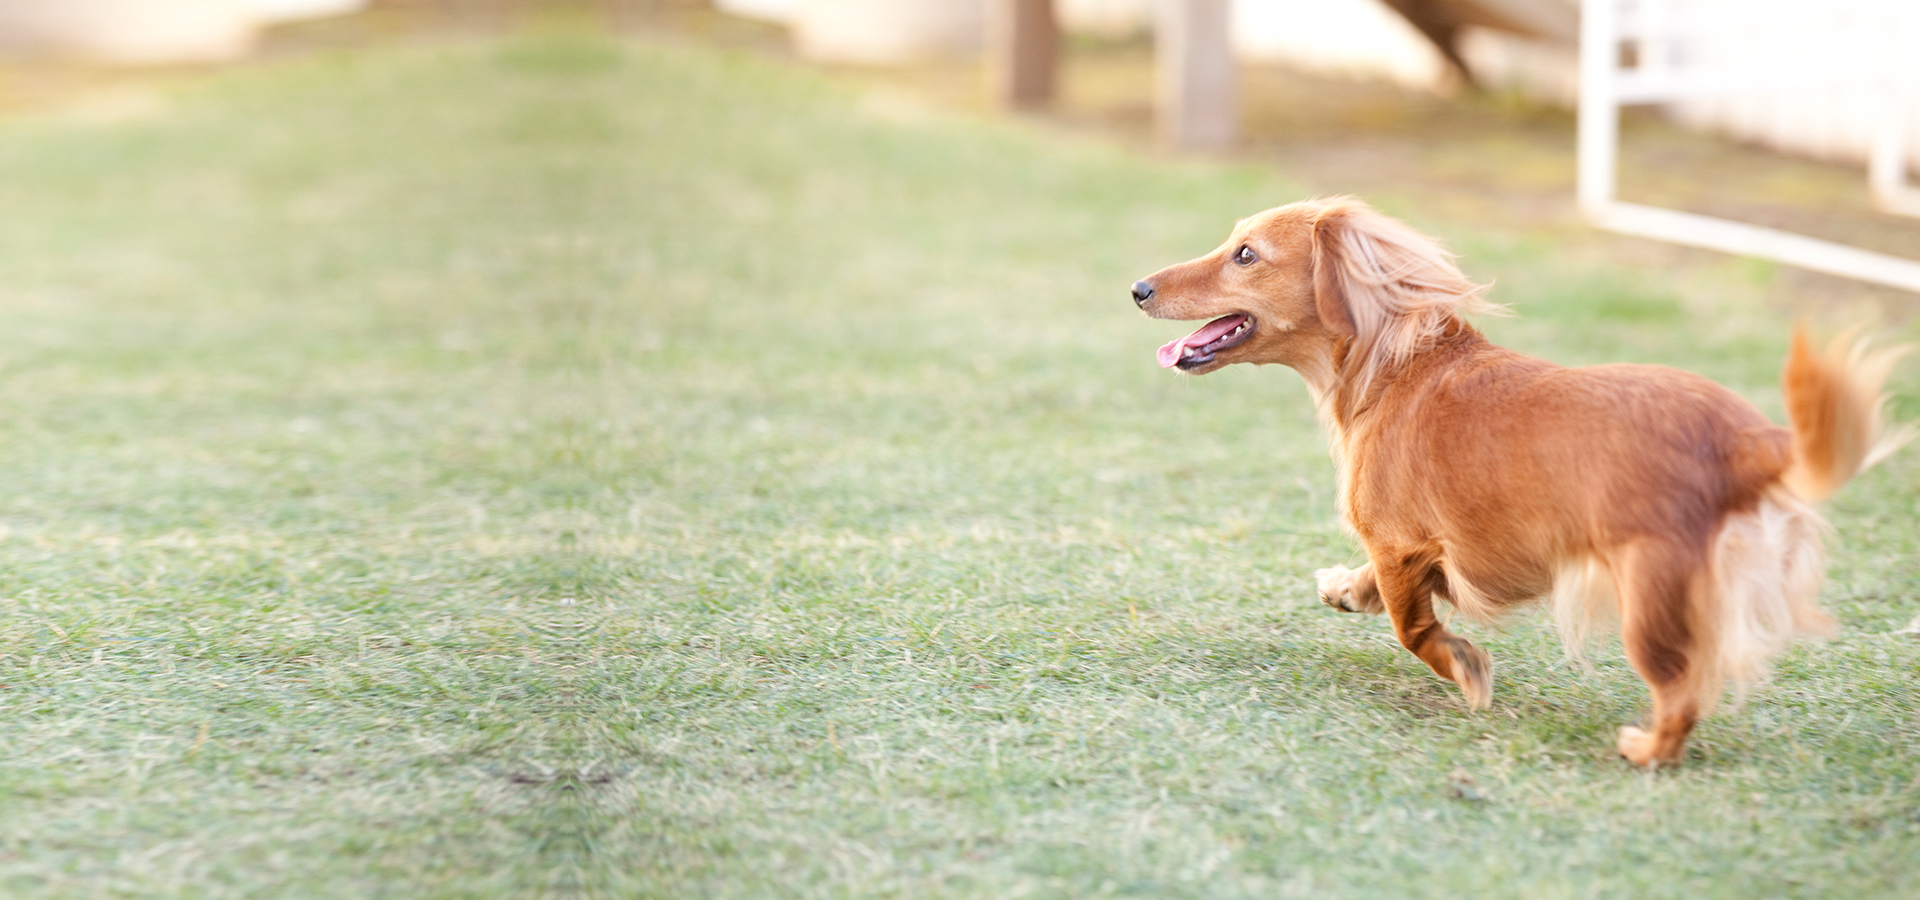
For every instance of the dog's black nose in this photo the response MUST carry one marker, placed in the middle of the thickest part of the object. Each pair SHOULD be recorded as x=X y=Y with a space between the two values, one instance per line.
x=1142 y=292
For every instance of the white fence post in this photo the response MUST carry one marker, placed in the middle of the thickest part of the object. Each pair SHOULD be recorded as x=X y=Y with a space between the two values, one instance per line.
x=1599 y=123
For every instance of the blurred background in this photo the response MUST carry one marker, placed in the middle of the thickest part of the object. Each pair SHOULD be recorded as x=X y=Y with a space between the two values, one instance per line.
x=1801 y=117
x=672 y=448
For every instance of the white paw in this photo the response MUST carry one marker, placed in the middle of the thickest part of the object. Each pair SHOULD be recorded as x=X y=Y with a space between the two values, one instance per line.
x=1336 y=587
x=1638 y=747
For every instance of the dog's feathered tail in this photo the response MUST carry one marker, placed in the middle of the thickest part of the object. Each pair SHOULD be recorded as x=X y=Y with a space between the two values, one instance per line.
x=1838 y=413
x=1767 y=563
x=1766 y=567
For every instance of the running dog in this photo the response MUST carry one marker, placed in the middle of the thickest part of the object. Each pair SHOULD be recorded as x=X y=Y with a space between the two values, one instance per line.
x=1631 y=493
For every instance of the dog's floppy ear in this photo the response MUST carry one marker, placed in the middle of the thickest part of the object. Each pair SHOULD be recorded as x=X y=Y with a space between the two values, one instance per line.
x=1390 y=289
x=1329 y=288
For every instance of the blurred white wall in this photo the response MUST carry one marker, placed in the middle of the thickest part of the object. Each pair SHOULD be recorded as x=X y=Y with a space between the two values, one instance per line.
x=1113 y=18
x=765 y=10
x=1804 y=77
x=128 y=31
x=888 y=31
x=1853 y=59
x=1107 y=18
x=1348 y=37
x=1366 y=39
x=148 y=31
x=1355 y=38
x=272 y=11
x=1545 y=70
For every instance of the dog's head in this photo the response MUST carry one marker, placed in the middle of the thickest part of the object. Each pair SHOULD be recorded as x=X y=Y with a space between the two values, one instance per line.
x=1329 y=287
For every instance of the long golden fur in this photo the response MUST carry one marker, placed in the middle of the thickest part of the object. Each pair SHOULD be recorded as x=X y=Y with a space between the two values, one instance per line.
x=1634 y=494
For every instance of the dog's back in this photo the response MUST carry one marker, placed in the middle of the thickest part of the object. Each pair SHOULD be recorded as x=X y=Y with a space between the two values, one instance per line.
x=1508 y=467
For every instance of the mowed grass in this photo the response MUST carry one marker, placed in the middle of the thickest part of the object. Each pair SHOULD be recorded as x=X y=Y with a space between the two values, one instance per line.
x=566 y=466
x=291 y=409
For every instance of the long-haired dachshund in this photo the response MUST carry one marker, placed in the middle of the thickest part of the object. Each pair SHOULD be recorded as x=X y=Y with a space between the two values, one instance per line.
x=1488 y=479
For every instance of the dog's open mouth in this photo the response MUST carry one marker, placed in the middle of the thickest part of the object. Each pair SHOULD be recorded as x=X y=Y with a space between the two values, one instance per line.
x=1199 y=348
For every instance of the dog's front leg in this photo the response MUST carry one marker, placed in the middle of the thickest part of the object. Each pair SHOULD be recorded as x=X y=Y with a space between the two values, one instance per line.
x=1350 y=590
x=1407 y=593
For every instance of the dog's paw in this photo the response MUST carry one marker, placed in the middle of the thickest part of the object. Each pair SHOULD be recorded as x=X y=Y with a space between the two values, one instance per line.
x=1640 y=747
x=1349 y=590
x=1473 y=671
x=1336 y=587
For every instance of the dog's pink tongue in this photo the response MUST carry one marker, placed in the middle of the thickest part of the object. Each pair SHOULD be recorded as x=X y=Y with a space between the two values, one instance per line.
x=1170 y=352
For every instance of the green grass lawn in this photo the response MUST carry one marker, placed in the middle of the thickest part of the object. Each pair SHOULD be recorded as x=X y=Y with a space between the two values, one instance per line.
x=559 y=466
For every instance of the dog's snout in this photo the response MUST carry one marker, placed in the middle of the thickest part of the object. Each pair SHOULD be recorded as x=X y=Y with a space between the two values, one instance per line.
x=1142 y=292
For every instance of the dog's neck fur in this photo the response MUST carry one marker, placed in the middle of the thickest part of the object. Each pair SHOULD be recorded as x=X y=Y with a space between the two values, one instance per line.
x=1343 y=400
x=1343 y=407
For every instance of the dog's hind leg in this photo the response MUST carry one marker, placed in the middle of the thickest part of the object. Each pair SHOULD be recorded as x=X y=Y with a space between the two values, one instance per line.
x=1658 y=587
x=1407 y=593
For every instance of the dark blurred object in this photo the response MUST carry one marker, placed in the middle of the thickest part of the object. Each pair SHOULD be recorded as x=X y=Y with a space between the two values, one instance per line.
x=1023 y=40
x=1444 y=21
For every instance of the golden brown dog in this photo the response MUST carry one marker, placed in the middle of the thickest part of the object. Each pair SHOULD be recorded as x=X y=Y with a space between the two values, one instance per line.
x=1488 y=479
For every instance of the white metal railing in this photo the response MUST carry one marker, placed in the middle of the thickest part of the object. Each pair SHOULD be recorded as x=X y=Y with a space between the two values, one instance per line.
x=1644 y=51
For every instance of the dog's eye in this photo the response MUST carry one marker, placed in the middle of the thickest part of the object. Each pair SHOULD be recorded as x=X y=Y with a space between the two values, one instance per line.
x=1246 y=256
